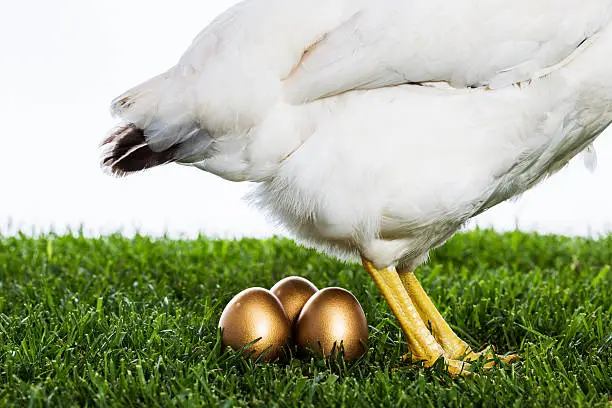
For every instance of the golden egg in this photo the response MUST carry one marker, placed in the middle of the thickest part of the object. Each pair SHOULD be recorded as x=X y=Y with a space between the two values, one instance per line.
x=255 y=313
x=333 y=315
x=293 y=292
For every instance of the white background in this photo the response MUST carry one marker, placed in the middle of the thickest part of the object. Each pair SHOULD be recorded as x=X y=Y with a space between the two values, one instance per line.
x=62 y=62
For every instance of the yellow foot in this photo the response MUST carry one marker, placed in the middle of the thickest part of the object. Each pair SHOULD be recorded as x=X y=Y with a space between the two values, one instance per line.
x=462 y=366
x=454 y=348
x=489 y=355
x=454 y=367
x=426 y=342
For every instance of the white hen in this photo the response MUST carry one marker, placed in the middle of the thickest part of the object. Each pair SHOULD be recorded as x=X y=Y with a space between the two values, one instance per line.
x=377 y=128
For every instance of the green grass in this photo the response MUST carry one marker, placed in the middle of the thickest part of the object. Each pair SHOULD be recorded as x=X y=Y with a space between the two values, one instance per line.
x=132 y=322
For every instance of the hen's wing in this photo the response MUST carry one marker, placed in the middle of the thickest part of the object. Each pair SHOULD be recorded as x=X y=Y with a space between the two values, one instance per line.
x=464 y=42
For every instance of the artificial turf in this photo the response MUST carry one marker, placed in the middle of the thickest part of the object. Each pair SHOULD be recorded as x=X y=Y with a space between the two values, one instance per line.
x=133 y=322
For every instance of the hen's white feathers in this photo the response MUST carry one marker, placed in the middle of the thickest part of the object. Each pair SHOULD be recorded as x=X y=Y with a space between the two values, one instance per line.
x=468 y=43
x=316 y=101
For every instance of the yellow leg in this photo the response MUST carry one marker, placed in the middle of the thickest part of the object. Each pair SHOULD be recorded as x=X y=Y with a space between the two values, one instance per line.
x=453 y=346
x=421 y=343
x=450 y=342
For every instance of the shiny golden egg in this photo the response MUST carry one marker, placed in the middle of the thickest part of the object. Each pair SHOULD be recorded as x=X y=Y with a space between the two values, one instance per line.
x=293 y=292
x=255 y=313
x=333 y=316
